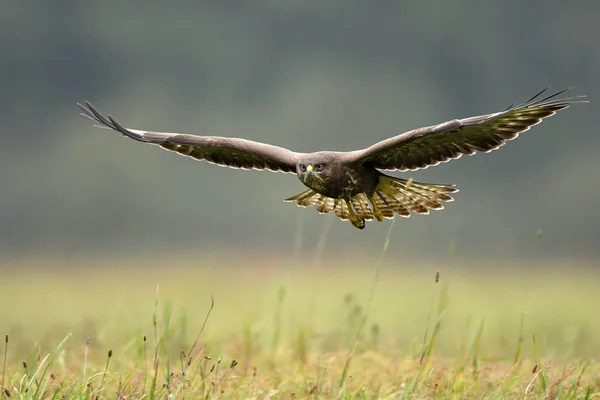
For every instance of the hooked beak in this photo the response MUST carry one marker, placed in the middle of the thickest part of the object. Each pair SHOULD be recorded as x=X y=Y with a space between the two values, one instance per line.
x=309 y=170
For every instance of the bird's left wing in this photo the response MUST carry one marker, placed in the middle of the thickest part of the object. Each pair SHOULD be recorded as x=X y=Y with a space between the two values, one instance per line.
x=424 y=147
x=229 y=152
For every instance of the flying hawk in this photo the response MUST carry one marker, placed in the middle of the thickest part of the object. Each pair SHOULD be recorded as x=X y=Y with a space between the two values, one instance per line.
x=351 y=184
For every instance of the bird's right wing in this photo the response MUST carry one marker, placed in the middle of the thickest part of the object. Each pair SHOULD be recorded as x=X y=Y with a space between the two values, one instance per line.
x=229 y=152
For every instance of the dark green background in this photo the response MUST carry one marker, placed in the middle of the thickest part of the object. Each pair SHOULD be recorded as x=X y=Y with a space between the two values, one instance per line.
x=307 y=75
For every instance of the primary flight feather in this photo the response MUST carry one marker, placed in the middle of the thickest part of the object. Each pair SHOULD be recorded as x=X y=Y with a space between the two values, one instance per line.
x=350 y=183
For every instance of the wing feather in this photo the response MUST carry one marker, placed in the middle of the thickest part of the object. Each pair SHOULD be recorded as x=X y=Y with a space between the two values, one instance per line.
x=424 y=147
x=229 y=152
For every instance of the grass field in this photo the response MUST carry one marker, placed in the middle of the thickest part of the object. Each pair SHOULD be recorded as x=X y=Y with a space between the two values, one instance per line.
x=131 y=328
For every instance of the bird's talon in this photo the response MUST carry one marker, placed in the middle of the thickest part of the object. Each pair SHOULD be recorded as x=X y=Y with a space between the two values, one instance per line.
x=358 y=223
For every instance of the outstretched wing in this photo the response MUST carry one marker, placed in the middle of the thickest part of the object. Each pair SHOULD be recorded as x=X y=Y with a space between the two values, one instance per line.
x=423 y=147
x=229 y=152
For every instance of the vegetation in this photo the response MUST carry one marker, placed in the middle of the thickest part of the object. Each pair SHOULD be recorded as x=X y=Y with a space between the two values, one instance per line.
x=196 y=328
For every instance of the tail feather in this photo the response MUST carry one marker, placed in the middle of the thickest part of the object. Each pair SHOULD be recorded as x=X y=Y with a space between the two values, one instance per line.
x=384 y=205
x=392 y=196
x=435 y=191
x=421 y=197
x=410 y=200
x=393 y=205
x=416 y=196
x=341 y=209
x=323 y=204
x=303 y=199
x=361 y=207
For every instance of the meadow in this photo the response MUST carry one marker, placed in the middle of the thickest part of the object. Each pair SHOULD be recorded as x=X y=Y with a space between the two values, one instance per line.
x=211 y=326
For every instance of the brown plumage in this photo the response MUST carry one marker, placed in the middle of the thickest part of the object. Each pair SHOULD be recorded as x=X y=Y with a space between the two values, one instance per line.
x=350 y=183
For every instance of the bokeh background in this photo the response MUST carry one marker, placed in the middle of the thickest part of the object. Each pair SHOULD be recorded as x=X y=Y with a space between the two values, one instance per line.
x=306 y=75
x=91 y=222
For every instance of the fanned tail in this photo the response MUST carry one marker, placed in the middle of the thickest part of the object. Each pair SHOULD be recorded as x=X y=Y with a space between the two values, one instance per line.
x=399 y=196
x=391 y=196
x=322 y=203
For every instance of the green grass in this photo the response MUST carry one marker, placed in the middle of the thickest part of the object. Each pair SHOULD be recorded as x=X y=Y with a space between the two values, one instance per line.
x=132 y=328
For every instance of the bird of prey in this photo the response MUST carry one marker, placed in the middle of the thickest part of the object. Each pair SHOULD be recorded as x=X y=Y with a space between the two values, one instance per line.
x=351 y=184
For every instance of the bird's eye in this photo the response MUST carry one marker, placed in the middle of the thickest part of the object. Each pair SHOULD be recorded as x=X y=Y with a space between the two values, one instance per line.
x=302 y=167
x=319 y=167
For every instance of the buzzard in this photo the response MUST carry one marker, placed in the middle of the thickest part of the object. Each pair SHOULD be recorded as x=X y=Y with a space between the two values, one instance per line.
x=351 y=184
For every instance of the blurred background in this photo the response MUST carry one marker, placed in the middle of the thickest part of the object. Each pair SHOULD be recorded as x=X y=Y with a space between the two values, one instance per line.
x=80 y=206
x=306 y=75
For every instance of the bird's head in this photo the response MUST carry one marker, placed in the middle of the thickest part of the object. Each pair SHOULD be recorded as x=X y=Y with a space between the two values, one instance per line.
x=314 y=173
